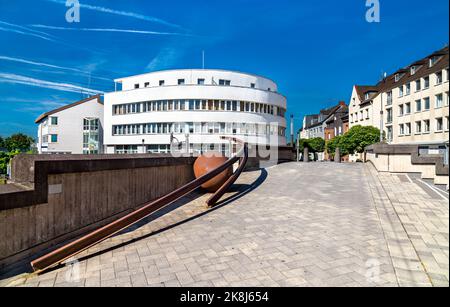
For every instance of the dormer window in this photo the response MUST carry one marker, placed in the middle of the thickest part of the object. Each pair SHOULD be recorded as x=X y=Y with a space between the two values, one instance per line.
x=161 y=82
x=136 y=86
x=367 y=96
x=181 y=82
x=413 y=70
x=398 y=77
x=433 y=60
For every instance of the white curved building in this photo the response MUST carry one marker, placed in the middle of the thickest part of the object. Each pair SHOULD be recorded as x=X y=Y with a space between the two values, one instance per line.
x=193 y=107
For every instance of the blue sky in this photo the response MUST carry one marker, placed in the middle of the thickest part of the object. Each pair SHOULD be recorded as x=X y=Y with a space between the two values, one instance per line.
x=314 y=50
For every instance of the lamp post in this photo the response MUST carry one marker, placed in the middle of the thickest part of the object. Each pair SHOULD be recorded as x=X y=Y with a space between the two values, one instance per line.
x=381 y=119
x=292 y=130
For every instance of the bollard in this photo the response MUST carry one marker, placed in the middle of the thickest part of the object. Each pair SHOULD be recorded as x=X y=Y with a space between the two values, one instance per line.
x=306 y=155
x=337 y=156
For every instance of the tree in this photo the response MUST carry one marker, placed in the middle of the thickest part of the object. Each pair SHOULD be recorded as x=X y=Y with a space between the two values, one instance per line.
x=2 y=143
x=314 y=145
x=19 y=142
x=358 y=138
x=5 y=158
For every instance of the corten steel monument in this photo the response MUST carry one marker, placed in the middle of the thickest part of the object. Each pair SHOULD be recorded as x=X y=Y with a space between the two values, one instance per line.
x=211 y=168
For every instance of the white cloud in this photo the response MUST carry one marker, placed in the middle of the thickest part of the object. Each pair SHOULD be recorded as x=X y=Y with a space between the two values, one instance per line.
x=65 y=87
x=111 y=30
x=122 y=13
x=79 y=71
x=166 y=58
x=27 y=34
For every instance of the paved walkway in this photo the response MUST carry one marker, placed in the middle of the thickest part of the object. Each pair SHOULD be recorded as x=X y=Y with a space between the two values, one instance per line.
x=315 y=224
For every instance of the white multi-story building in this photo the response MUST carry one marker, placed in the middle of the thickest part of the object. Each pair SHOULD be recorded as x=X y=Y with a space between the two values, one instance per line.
x=194 y=108
x=76 y=128
x=411 y=106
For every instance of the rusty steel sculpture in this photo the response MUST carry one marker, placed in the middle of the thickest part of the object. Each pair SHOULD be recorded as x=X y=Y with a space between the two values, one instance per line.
x=207 y=169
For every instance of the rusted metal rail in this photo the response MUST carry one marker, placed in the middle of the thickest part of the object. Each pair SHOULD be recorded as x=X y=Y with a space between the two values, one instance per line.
x=74 y=248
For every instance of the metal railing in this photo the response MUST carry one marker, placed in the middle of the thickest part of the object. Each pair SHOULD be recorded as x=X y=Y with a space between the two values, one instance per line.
x=74 y=248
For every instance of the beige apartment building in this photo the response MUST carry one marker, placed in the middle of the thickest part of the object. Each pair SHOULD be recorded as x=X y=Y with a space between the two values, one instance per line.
x=411 y=105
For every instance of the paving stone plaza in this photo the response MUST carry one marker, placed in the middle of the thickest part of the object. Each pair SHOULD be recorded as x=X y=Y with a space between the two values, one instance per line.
x=317 y=224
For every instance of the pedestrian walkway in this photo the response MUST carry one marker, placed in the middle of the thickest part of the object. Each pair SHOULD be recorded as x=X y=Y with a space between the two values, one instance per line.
x=317 y=224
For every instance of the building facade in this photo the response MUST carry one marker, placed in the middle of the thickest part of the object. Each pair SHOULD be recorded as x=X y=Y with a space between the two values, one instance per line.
x=73 y=129
x=410 y=106
x=192 y=108
x=328 y=124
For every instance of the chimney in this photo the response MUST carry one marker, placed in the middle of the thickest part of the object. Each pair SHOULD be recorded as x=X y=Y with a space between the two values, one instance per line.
x=342 y=103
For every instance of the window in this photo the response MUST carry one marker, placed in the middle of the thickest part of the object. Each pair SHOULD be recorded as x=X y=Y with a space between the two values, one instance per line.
x=419 y=105
x=433 y=61
x=418 y=86
x=397 y=77
x=54 y=138
x=224 y=82
x=389 y=98
x=136 y=86
x=147 y=84
x=201 y=81
x=426 y=126
x=439 y=78
x=408 y=129
x=389 y=116
x=439 y=124
x=407 y=108
x=447 y=99
x=413 y=70
x=448 y=123
x=408 y=88
x=439 y=101
x=418 y=127
x=401 y=110
x=402 y=129
x=161 y=82
x=400 y=91
x=389 y=134
x=426 y=102
x=426 y=82
x=253 y=85
x=54 y=121
x=181 y=82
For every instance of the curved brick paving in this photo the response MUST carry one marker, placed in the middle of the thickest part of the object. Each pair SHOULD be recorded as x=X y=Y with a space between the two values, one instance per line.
x=315 y=224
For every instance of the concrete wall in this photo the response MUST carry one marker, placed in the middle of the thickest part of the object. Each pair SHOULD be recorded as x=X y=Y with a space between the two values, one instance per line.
x=80 y=195
x=405 y=159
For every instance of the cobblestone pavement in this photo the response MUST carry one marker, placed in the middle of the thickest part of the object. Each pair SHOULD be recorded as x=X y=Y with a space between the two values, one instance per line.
x=315 y=224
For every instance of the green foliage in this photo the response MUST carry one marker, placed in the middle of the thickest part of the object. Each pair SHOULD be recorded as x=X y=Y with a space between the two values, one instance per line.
x=335 y=143
x=314 y=145
x=2 y=142
x=358 y=138
x=5 y=158
x=19 y=142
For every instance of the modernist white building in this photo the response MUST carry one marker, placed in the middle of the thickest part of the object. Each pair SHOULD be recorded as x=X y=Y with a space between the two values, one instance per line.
x=147 y=113
x=76 y=128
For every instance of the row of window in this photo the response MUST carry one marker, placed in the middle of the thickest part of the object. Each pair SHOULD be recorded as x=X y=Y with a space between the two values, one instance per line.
x=424 y=127
x=50 y=138
x=197 y=105
x=420 y=84
x=53 y=121
x=199 y=128
x=166 y=148
x=200 y=81
x=406 y=108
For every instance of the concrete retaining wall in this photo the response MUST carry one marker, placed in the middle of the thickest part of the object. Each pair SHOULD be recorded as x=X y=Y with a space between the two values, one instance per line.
x=79 y=195
x=406 y=159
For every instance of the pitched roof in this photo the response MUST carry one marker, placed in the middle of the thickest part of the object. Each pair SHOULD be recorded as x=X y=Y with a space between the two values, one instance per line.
x=422 y=70
x=325 y=114
x=45 y=115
